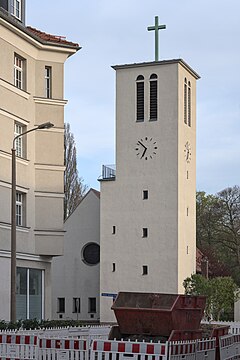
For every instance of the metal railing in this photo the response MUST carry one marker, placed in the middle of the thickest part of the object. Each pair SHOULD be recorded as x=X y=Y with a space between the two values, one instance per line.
x=108 y=172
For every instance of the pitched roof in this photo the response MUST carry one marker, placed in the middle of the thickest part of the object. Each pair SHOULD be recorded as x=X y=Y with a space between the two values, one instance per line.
x=96 y=192
x=51 y=38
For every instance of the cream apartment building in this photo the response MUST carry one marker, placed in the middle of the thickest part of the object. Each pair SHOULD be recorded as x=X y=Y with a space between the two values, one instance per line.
x=31 y=93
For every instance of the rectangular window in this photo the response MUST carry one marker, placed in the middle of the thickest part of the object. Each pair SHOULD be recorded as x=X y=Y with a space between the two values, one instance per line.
x=61 y=305
x=16 y=8
x=145 y=232
x=187 y=211
x=144 y=270
x=19 y=72
x=48 y=82
x=114 y=229
x=145 y=194
x=20 y=209
x=113 y=267
x=92 y=305
x=76 y=305
x=30 y=293
x=19 y=143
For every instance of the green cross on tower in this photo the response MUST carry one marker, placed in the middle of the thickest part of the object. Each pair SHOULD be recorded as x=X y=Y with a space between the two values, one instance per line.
x=156 y=28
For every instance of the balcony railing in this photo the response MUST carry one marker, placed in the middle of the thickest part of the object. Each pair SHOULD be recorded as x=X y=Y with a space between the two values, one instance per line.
x=108 y=172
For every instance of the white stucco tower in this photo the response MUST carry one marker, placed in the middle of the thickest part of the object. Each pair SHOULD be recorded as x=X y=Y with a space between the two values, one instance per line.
x=148 y=216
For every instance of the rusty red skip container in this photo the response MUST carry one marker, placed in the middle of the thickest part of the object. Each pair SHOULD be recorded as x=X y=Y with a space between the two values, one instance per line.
x=156 y=313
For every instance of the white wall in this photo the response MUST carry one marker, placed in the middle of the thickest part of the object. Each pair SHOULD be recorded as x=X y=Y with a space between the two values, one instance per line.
x=71 y=277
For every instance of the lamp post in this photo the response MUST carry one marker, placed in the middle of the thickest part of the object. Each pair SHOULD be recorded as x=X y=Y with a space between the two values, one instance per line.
x=46 y=125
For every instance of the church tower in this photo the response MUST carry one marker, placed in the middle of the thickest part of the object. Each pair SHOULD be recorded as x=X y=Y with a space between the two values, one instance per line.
x=148 y=214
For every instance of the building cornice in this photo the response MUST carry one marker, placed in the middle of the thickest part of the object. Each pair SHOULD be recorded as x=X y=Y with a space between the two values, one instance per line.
x=157 y=63
x=13 y=116
x=49 y=194
x=49 y=167
x=41 y=100
x=28 y=257
x=13 y=88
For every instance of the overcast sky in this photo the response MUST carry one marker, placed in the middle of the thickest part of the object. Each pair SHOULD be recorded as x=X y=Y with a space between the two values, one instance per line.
x=205 y=33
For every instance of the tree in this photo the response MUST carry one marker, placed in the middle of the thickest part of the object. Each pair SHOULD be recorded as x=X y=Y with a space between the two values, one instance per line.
x=74 y=188
x=218 y=230
x=221 y=293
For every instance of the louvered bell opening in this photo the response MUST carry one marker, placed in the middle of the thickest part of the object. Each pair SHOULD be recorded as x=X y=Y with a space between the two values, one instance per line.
x=153 y=100
x=140 y=101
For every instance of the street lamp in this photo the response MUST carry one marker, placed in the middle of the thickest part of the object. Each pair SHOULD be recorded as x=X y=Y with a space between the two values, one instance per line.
x=46 y=125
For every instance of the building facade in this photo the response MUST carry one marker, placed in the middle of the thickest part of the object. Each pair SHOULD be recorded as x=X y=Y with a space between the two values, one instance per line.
x=147 y=214
x=75 y=275
x=31 y=93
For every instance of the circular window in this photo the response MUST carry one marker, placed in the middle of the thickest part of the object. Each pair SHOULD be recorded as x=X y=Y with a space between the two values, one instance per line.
x=91 y=254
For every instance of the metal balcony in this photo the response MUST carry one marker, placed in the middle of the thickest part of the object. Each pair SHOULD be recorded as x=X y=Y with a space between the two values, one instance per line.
x=108 y=172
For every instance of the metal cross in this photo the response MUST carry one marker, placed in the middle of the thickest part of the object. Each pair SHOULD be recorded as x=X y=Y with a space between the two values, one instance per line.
x=156 y=28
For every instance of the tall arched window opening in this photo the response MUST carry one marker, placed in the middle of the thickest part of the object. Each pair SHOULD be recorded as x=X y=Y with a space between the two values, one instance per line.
x=153 y=97
x=189 y=104
x=140 y=98
x=185 y=101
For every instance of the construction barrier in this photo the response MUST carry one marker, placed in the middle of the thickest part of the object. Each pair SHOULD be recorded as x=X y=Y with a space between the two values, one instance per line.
x=229 y=347
x=62 y=349
x=18 y=346
x=206 y=349
x=182 y=349
x=125 y=350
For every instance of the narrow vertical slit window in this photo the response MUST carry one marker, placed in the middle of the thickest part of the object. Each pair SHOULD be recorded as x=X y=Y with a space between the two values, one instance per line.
x=114 y=230
x=187 y=175
x=144 y=270
x=187 y=211
x=189 y=104
x=145 y=194
x=76 y=305
x=113 y=267
x=61 y=305
x=185 y=101
x=153 y=97
x=145 y=232
x=140 y=98
x=48 y=82
x=92 y=305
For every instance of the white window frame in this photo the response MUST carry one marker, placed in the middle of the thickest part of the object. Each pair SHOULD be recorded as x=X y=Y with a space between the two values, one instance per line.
x=48 y=82
x=20 y=143
x=16 y=9
x=20 y=209
x=19 y=72
x=28 y=293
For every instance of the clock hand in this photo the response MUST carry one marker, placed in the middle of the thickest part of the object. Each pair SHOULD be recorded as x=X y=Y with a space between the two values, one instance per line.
x=140 y=143
x=144 y=152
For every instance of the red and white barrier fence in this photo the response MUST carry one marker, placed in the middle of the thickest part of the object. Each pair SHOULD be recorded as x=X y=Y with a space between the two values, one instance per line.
x=178 y=349
x=62 y=349
x=105 y=350
x=18 y=346
x=206 y=349
x=229 y=347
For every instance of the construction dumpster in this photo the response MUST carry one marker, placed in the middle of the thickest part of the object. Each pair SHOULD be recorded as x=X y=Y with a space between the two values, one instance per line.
x=157 y=314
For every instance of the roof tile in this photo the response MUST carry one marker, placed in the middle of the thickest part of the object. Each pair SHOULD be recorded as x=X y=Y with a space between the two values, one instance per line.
x=51 y=38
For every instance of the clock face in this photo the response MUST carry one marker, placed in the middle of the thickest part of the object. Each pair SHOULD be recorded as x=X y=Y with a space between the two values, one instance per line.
x=146 y=148
x=188 y=152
